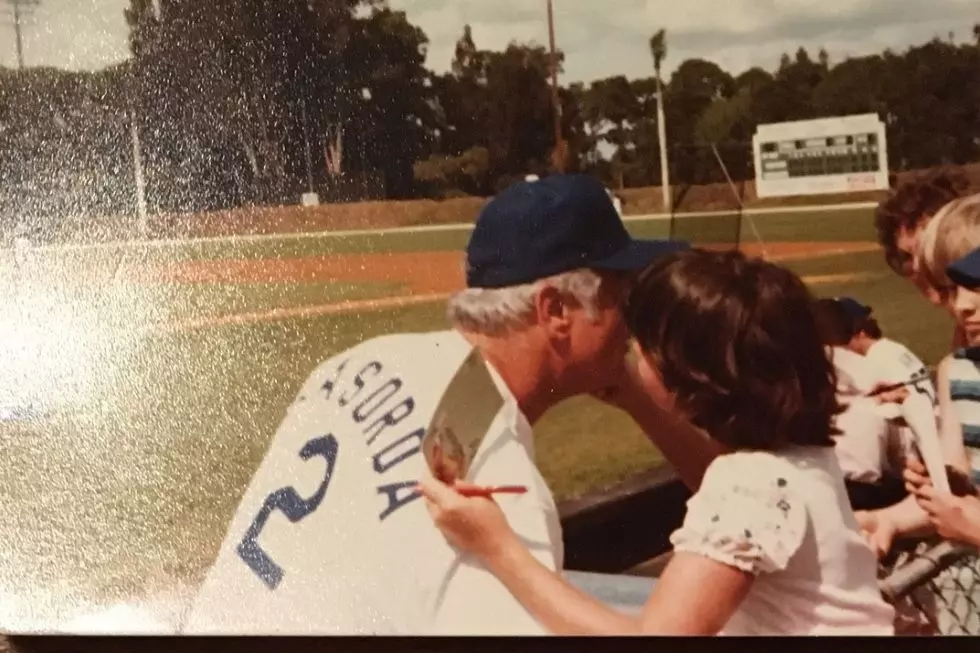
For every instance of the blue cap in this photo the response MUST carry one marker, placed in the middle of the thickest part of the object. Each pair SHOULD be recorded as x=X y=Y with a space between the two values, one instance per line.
x=965 y=272
x=536 y=229
x=854 y=309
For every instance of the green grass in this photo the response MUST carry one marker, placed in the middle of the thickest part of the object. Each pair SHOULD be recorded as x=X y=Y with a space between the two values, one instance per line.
x=196 y=301
x=852 y=225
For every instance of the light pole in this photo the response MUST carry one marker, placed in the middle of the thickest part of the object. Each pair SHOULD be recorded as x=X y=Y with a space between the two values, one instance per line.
x=559 y=156
x=138 y=175
x=662 y=137
x=21 y=9
x=658 y=49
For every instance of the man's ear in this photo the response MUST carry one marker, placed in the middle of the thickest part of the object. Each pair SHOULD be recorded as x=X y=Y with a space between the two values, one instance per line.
x=552 y=312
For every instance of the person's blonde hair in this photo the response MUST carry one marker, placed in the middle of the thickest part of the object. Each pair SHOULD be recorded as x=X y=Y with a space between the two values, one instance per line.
x=952 y=234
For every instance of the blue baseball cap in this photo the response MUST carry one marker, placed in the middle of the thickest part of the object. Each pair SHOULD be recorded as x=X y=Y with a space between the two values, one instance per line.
x=854 y=309
x=536 y=229
x=965 y=272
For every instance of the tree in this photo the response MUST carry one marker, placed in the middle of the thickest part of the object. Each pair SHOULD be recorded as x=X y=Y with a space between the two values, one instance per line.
x=658 y=50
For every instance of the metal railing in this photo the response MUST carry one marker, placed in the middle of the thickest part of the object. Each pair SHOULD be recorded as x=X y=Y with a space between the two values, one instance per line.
x=934 y=586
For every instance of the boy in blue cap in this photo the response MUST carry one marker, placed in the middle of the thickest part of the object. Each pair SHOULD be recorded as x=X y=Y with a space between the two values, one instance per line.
x=889 y=362
x=958 y=517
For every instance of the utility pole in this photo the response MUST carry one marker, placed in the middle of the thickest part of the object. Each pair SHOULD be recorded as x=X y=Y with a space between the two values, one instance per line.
x=306 y=139
x=658 y=49
x=20 y=10
x=139 y=177
x=662 y=137
x=559 y=154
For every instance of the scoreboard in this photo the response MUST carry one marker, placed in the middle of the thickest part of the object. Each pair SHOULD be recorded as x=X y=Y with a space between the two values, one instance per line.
x=828 y=155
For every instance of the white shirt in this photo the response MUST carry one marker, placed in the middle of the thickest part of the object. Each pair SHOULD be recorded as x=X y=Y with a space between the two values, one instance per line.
x=363 y=556
x=893 y=362
x=869 y=445
x=854 y=374
x=786 y=519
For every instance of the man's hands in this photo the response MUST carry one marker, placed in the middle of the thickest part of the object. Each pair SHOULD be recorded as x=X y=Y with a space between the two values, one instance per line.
x=886 y=393
x=955 y=517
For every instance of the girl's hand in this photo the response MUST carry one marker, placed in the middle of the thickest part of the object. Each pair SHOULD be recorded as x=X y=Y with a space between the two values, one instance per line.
x=476 y=525
x=637 y=388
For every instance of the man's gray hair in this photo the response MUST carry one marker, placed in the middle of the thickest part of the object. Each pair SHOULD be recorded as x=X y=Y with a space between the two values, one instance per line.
x=495 y=311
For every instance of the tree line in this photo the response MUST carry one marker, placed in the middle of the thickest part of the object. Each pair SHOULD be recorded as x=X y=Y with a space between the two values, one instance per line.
x=239 y=102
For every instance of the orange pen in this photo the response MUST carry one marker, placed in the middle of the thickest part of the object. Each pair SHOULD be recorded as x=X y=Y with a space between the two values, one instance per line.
x=487 y=492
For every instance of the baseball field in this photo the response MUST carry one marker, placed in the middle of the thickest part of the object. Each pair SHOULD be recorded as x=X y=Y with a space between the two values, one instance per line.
x=157 y=373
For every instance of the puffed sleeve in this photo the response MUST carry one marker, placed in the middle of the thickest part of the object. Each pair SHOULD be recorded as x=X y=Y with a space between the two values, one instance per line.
x=746 y=514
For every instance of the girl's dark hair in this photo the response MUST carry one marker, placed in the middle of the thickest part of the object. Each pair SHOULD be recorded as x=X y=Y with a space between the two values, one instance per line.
x=736 y=342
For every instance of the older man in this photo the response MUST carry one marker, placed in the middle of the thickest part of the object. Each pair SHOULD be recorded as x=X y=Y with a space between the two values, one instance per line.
x=330 y=536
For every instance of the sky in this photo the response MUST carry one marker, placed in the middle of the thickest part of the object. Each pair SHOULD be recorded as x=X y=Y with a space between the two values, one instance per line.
x=600 y=38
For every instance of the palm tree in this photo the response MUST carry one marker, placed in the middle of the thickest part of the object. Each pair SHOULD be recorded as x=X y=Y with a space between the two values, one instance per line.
x=658 y=49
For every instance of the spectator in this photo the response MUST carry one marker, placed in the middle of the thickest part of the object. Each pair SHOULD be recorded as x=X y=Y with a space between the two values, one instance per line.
x=871 y=448
x=957 y=234
x=889 y=362
x=954 y=266
x=904 y=215
x=768 y=545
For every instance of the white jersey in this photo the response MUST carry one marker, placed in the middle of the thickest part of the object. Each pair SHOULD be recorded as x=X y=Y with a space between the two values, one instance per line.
x=331 y=537
x=869 y=445
x=893 y=362
x=854 y=375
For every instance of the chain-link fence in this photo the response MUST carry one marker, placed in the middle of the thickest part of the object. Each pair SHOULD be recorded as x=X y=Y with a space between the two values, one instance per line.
x=934 y=586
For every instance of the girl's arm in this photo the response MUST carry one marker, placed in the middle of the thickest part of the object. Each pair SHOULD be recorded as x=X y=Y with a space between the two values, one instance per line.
x=950 y=428
x=694 y=596
x=688 y=449
x=743 y=521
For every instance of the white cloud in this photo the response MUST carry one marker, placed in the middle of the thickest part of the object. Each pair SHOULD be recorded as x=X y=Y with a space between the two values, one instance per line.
x=608 y=38
x=600 y=37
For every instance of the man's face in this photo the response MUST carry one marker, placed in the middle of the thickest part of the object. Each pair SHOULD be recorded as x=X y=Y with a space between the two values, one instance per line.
x=597 y=344
x=906 y=242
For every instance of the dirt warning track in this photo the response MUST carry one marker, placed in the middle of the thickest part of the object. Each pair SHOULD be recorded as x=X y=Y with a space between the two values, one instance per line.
x=419 y=272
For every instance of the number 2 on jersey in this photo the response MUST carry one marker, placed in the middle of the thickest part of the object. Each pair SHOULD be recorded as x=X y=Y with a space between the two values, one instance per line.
x=287 y=501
